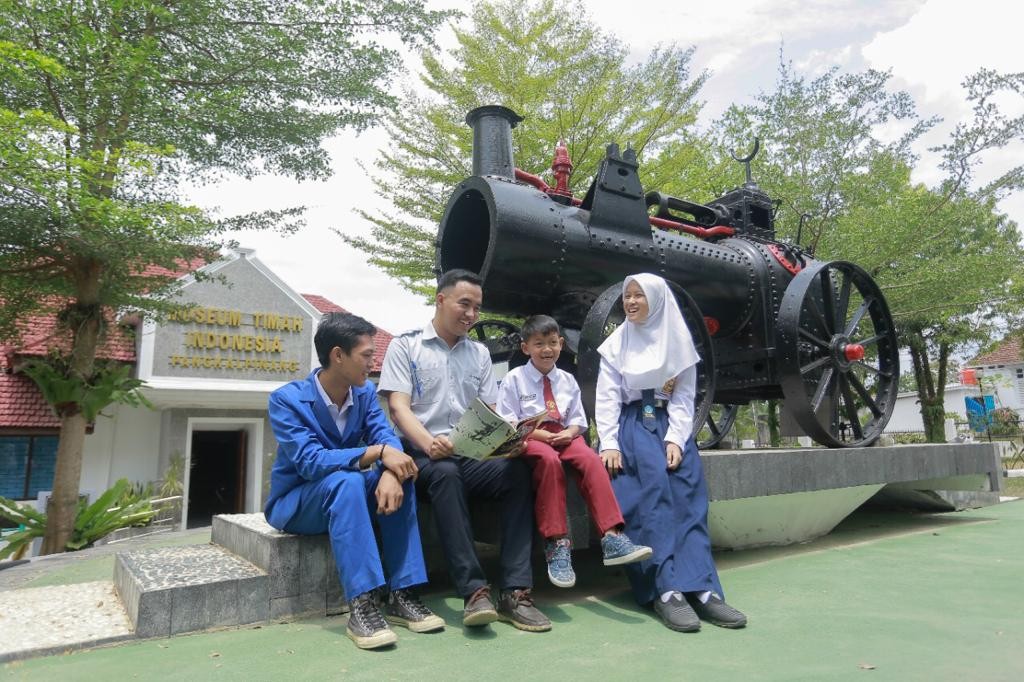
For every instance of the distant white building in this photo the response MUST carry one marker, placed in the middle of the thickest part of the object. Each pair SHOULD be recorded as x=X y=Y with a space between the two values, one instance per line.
x=1002 y=373
x=1002 y=378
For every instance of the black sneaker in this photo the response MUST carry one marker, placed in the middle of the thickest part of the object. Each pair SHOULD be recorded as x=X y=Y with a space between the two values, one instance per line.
x=405 y=608
x=516 y=607
x=366 y=624
x=677 y=614
x=479 y=609
x=717 y=612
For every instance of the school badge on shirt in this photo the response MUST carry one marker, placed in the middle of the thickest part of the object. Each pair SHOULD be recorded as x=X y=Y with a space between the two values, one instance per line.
x=669 y=386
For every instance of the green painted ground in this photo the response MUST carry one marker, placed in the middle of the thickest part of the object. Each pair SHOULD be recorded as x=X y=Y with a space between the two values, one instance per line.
x=885 y=597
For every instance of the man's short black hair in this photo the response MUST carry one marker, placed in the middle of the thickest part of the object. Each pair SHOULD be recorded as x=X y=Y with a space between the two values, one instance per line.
x=342 y=330
x=456 y=275
x=538 y=324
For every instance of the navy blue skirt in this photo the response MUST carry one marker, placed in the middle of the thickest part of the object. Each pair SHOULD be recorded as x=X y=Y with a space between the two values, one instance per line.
x=665 y=510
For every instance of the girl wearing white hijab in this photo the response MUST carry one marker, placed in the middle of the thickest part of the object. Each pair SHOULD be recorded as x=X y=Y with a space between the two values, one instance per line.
x=644 y=414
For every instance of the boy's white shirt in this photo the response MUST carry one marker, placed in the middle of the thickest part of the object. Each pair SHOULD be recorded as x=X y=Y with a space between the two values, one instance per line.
x=612 y=394
x=521 y=395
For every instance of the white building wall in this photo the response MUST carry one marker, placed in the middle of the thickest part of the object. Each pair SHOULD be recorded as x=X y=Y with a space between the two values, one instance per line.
x=124 y=446
x=1009 y=388
x=906 y=414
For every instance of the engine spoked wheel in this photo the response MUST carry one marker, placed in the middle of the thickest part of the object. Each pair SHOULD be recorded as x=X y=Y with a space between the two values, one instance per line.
x=499 y=337
x=838 y=359
x=717 y=426
x=607 y=314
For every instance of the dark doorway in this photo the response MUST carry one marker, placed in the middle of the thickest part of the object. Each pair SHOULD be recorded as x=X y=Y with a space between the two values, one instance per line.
x=217 y=480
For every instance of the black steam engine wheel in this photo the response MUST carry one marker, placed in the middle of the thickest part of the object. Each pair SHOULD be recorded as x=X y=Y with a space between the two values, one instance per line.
x=837 y=354
x=720 y=420
x=607 y=314
x=499 y=337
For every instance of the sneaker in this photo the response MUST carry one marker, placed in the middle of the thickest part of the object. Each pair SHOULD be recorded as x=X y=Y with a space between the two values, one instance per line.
x=677 y=614
x=516 y=607
x=559 y=559
x=479 y=609
x=366 y=624
x=405 y=608
x=717 y=612
x=619 y=549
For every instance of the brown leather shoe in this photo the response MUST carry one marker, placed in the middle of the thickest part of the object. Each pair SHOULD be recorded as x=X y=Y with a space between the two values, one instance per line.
x=479 y=609
x=516 y=607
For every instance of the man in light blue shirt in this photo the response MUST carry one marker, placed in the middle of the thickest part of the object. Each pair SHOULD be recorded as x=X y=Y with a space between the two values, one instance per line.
x=430 y=377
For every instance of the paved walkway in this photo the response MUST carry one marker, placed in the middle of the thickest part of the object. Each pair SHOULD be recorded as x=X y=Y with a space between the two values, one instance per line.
x=886 y=596
x=67 y=601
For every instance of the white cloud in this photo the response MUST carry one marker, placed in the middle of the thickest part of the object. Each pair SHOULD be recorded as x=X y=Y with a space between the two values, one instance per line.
x=932 y=53
x=946 y=41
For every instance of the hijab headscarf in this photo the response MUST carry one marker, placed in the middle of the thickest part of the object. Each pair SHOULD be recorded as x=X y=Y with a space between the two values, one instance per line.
x=650 y=353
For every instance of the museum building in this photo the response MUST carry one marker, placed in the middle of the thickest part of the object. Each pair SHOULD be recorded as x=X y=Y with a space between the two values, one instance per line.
x=209 y=370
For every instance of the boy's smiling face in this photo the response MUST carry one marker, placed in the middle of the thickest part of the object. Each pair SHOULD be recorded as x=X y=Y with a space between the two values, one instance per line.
x=543 y=350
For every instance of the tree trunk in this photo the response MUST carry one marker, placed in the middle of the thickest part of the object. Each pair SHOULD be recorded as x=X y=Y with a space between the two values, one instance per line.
x=60 y=510
x=84 y=317
x=931 y=390
x=933 y=413
x=774 y=433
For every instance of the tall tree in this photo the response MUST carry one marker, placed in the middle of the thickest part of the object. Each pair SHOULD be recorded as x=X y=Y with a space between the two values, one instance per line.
x=973 y=286
x=820 y=139
x=106 y=104
x=550 y=64
x=945 y=256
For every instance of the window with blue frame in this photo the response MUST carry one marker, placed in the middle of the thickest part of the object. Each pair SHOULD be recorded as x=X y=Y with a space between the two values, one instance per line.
x=27 y=465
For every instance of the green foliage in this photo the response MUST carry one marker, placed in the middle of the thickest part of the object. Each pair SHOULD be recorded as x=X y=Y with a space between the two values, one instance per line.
x=111 y=382
x=136 y=492
x=92 y=522
x=173 y=479
x=100 y=518
x=115 y=102
x=908 y=438
x=1005 y=422
x=820 y=144
x=105 y=107
x=551 y=64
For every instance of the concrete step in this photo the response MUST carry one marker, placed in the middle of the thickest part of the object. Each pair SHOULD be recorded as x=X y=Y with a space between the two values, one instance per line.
x=303 y=577
x=170 y=590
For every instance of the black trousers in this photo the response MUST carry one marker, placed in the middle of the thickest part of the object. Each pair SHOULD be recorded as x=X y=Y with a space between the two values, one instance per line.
x=447 y=483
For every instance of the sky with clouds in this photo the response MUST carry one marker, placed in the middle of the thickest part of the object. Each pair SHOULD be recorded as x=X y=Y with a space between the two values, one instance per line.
x=929 y=46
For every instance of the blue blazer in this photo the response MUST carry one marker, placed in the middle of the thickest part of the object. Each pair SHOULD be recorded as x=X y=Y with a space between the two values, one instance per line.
x=309 y=446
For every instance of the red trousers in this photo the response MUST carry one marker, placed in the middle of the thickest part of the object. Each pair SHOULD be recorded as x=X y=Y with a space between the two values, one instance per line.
x=549 y=484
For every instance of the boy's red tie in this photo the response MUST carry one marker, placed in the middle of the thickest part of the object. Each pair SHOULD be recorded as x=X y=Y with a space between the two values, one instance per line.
x=549 y=402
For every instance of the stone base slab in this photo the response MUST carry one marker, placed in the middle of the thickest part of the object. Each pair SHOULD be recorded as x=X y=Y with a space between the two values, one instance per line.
x=303 y=576
x=169 y=590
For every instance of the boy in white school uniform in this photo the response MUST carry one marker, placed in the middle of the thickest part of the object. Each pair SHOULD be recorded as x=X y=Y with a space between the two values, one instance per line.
x=539 y=385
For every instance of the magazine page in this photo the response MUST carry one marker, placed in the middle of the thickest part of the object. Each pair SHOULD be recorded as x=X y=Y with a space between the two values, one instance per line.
x=480 y=432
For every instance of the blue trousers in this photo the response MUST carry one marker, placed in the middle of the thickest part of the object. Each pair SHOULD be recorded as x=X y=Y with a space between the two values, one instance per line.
x=665 y=510
x=343 y=505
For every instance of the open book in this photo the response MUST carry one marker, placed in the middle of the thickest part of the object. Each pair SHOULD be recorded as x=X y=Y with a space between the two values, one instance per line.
x=482 y=433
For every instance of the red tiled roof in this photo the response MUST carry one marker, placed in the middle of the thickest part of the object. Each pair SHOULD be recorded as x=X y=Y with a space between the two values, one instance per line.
x=182 y=267
x=40 y=334
x=22 y=405
x=1008 y=352
x=380 y=341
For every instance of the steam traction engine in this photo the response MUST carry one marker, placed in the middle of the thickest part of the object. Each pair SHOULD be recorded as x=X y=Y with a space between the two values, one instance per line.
x=768 y=321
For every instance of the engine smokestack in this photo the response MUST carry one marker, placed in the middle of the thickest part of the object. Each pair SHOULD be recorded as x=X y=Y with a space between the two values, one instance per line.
x=492 y=140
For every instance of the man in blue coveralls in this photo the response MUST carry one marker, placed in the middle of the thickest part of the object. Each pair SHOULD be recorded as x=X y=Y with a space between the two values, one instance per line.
x=339 y=466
